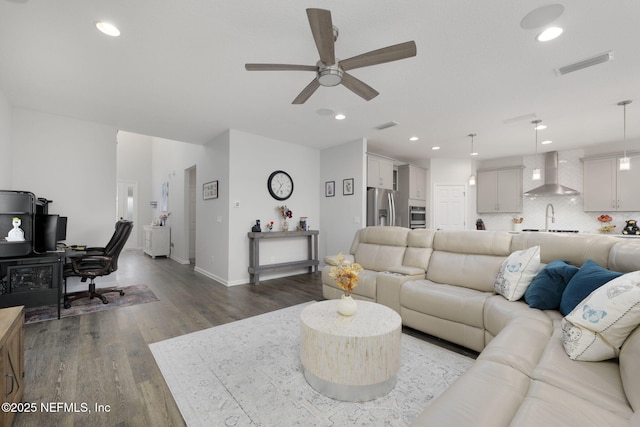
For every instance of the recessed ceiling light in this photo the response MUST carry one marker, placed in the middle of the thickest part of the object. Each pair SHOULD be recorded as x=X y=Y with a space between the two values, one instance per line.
x=542 y=16
x=549 y=34
x=435 y=148
x=413 y=138
x=474 y=154
x=340 y=116
x=540 y=127
x=548 y=141
x=324 y=111
x=108 y=28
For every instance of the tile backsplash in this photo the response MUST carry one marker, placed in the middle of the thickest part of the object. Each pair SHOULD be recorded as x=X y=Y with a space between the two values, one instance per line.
x=569 y=214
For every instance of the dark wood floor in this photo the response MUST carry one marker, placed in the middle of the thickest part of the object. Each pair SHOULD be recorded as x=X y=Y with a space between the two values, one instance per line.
x=103 y=358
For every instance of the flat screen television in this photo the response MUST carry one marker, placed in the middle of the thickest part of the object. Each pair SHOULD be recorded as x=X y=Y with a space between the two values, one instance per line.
x=49 y=230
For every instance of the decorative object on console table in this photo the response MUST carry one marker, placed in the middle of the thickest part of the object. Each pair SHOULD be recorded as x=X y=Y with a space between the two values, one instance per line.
x=210 y=190
x=256 y=228
x=345 y=273
x=605 y=219
x=517 y=223
x=286 y=214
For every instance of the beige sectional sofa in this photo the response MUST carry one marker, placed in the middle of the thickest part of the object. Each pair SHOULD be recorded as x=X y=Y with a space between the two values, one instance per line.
x=442 y=283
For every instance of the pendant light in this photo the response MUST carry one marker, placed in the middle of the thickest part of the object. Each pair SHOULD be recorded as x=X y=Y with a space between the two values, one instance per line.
x=625 y=162
x=472 y=177
x=536 y=170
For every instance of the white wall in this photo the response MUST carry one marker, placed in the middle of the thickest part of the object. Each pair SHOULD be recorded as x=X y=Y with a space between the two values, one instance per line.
x=341 y=216
x=212 y=235
x=252 y=159
x=169 y=160
x=5 y=142
x=133 y=165
x=71 y=162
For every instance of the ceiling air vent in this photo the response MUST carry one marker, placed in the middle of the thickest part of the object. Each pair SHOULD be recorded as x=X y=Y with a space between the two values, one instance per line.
x=585 y=63
x=387 y=125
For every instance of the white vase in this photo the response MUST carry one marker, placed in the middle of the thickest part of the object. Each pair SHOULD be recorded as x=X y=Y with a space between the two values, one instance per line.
x=347 y=306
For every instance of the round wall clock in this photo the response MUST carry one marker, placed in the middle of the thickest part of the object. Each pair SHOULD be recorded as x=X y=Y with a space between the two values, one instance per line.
x=280 y=185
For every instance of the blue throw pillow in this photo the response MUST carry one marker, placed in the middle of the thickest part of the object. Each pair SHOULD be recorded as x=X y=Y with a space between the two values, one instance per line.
x=545 y=290
x=589 y=278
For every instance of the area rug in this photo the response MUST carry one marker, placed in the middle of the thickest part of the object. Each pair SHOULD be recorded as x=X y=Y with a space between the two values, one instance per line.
x=248 y=373
x=133 y=295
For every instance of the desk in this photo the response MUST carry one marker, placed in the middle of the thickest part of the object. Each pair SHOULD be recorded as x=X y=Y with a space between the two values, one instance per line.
x=254 y=252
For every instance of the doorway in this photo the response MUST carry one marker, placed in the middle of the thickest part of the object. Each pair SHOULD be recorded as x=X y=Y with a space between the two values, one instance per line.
x=190 y=190
x=449 y=207
x=127 y=208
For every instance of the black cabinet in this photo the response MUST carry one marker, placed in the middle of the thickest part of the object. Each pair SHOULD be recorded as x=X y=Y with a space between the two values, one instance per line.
x=32 y=281
x=16 y=204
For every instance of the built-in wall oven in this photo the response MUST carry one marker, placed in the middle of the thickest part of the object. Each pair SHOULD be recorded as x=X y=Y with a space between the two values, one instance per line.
x=417 y=217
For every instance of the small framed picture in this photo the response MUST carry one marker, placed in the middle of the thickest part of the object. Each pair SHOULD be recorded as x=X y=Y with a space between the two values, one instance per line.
x=329 y=189
x=210 y=190
x=347 y=187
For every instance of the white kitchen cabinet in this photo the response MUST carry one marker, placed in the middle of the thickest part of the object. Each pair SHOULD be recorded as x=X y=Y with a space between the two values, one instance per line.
x=412 y=182
x=608 y=189
x=379 y=172
x=157 y=240
x=499 y=191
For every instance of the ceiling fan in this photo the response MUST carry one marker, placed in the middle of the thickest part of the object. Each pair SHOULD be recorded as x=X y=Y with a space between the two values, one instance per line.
x=331 y=71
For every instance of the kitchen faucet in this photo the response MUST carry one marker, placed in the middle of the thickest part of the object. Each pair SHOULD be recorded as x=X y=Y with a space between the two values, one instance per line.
x=546 y=216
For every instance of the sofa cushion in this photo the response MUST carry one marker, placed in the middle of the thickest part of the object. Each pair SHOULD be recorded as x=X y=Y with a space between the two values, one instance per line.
x=448 y=302
x=547 y=405
x=467 y=270
x=545 y=290
x=590 y=277
x=498 y=313
x=630 y=368
x=517 y=272
x=596 y=382
x=598 y=326
x=379 y=257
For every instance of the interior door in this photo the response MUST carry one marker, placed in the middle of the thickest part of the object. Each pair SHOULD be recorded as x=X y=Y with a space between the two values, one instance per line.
x=449 y=207
x=127 y=208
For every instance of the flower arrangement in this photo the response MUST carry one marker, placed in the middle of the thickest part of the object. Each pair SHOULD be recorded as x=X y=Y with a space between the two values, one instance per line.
x=270 y=226
x=517 y=220
x=345 y=273
x=163 y=218
x=285 y=212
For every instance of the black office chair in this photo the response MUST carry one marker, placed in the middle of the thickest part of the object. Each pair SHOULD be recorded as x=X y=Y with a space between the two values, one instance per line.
x=97 y=262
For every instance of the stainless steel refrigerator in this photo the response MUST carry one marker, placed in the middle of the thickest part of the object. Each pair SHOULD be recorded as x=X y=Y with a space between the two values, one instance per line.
x=381 y=207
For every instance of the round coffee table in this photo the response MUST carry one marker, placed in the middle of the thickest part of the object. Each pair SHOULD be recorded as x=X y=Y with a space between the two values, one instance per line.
x=354 y=358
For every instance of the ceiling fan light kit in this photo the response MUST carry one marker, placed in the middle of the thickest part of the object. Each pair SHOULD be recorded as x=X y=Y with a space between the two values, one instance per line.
x=330 y=71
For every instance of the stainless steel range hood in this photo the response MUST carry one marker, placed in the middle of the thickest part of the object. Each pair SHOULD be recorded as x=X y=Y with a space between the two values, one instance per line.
x=551 y=186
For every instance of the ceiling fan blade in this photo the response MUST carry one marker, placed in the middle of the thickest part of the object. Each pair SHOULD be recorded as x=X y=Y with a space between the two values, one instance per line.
x=279 y=67
x=380 y=56
x=307 y=92
x=359 y=87
x=322 y=30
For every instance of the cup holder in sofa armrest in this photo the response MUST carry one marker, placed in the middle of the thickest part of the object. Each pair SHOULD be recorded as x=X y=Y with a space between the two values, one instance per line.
x=406 y=271
x=331 y=259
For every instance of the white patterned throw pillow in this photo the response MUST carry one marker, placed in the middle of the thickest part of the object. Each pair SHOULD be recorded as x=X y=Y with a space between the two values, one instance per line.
x=598 y=326
x=517 y=272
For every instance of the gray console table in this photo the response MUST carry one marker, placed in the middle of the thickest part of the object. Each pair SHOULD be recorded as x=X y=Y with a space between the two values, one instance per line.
x=255 y=269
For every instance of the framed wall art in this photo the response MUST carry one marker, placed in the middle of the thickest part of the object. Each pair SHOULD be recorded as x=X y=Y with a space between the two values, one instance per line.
x=347 y=187
x=329 y=189
x=210 y=190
